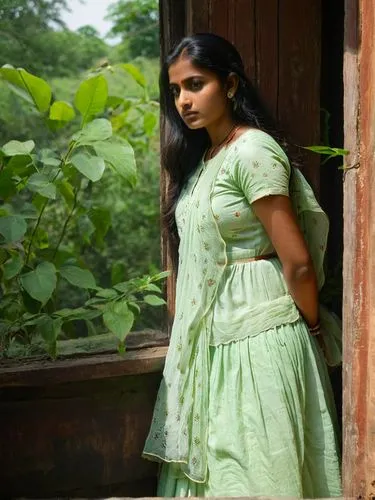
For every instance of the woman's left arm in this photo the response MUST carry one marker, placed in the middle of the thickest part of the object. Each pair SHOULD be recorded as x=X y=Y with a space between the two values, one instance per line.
x=278 y=218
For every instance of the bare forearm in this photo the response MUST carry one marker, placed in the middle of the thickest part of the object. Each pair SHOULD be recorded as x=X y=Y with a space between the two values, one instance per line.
x=303 y=288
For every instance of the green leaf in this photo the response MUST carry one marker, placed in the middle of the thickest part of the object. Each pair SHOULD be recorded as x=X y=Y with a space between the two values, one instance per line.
x=114 y=101
x=123 y=287
x=67 y=192
x=31 y=88
x=118 y=272
x=91 y=167
x=12 y=267
x=101 y=218
x=120 y=155
x=91 y=330
x=12 y=227
x=86 y=228
x=41 y=239
x=61 y=111
x=49 y=157
x=160 y=276
x=154 y=300
x=77 y=314
x=118 y=319
x=28 y=211
x=39 y=183
x=134 y=73
x=40 y=283
x=91 y=97
x=20 y=165
x=107 y=293
x=326 y=150
x=13 y=148
x=50 y=329
x=135 y=307
x=7 y=185
x=149 y=122
x=78 y=277
x=97 y=130
x=153 y=288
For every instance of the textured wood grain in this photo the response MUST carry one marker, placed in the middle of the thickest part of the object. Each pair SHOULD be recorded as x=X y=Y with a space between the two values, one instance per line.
x=197 y=16
x=43 y=373
x=359 y=247
x=299 y=78
x=77 y=439
x=267 y=52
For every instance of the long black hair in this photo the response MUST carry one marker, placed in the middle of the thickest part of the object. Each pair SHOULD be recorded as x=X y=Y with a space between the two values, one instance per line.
x=183 y=148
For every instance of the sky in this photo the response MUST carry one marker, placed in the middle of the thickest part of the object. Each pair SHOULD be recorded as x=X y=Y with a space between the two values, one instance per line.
x=90 y=12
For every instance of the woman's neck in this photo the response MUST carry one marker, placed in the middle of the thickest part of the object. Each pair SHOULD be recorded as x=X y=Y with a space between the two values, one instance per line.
x=219 y=131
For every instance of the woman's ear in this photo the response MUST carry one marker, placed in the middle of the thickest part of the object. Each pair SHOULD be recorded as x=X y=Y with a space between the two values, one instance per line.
x=232 y=84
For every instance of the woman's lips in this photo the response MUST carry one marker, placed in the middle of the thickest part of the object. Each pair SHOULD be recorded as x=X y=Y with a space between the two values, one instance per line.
x=190 y=114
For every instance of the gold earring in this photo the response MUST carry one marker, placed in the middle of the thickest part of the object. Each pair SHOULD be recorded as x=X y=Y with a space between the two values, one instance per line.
x=230 y=94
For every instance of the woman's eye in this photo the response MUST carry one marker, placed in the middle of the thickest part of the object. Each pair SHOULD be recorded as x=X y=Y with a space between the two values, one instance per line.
x=174 y=91
x=196 y=85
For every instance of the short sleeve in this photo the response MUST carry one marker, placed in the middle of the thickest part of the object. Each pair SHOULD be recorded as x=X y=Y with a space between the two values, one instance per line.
x=261 y=167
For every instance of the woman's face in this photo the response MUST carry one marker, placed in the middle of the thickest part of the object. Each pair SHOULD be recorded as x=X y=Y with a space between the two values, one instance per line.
x=200 y=97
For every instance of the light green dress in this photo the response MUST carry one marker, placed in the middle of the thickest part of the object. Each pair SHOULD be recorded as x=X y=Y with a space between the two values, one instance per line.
x=245 y=405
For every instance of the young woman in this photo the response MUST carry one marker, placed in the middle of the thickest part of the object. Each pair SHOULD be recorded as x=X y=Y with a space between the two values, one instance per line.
x=245 y=406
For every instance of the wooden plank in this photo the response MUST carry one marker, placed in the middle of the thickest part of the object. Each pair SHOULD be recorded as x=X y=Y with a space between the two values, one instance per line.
x=43 y=373
x=359 y=247
x=266 y=47
x=299 y=77
x=172 y=23
x=197 y=16
x=78 y=439
x=241 y=32
x=219 y=16
x=85 y=346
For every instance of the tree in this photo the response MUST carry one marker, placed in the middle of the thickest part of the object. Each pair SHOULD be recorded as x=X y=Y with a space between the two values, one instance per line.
x=137 y=22
x=21 y=24
x=33 y=36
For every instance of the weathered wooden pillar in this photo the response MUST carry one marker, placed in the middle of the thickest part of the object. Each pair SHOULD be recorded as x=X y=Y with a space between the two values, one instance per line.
x=359 y=251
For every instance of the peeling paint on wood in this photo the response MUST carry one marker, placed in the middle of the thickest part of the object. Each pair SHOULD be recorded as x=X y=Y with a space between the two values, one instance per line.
x=359 y=247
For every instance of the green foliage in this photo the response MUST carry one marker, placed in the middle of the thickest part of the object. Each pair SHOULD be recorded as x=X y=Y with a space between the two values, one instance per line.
x=329 y=152
x=28 y=39
x=137 y=22
x=50 y=195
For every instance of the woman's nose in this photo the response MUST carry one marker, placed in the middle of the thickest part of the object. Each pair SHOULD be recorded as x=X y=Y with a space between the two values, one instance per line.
x=184 y=100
